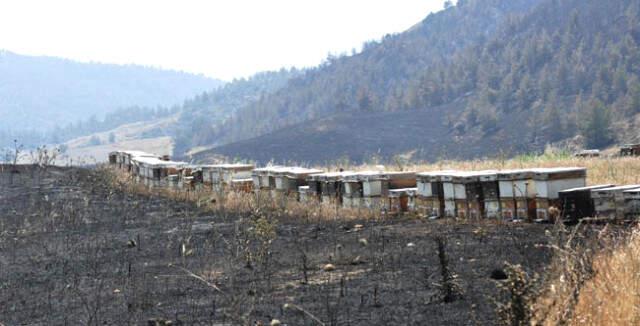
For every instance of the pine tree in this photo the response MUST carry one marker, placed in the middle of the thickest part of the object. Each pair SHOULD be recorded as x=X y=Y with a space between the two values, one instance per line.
x=596 y=127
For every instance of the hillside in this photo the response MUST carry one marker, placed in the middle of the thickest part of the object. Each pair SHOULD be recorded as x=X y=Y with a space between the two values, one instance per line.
x=150 y=136
x=163 y=130
x=369 y=81
x=43 y=92
x=553 y=69
x=202 y=115
x=420 y=136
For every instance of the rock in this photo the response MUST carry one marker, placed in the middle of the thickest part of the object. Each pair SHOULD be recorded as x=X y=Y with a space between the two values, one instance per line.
x=357 y=261
x=201 y=227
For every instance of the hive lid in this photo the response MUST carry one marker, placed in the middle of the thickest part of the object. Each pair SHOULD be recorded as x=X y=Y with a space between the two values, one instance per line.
x=434 y=176
x=634 y=190
x=587 y=188
x=330 y=176
x=559 y=173
x=298 y=171
x=515 y=174
x=135 y=153
x=475 y=176
x=266 y=170
x=615 y=189
x=360 y=175
x=154 y=161
x=242 y=180
x=397 y=192
x=231 y=166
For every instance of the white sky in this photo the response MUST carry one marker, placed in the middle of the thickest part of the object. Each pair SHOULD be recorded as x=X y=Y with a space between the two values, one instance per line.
x=219 y=38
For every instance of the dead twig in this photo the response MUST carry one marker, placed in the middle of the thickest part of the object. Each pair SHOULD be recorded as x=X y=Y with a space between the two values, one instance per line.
x=300 y=309
x=201 y=279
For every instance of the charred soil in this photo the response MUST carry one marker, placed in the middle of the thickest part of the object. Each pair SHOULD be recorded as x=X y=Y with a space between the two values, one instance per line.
x=74 y=250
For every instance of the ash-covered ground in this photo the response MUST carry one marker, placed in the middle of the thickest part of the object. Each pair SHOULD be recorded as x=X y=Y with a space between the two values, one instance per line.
x=74 y=250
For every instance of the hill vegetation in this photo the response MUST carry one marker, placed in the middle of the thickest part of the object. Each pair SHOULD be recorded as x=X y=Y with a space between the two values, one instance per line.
x=540 y=71
x=197 y=116
x=42 y=92
x=204 y=114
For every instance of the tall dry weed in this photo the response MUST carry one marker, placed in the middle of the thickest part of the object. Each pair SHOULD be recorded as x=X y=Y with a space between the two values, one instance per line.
x=593 y=280
x=612 y=296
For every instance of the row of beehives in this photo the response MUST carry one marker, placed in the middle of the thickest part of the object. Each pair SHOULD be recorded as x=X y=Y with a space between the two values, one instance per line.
x=508 y=194
x=155 y=171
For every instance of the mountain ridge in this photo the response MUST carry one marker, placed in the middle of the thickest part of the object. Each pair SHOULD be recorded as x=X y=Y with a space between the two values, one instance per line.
x=40 y=92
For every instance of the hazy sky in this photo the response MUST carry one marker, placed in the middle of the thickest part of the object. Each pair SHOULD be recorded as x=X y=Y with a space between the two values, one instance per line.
x=219 y=38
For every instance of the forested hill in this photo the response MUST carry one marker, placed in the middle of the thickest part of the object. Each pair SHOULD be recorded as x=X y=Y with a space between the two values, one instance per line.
x=202 y=115
x=561 y=67
x=377 y=78
x=42 y=92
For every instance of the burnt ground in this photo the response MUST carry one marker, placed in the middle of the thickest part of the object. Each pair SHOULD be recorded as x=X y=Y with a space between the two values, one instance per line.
x=75 y=251
x=359 y=138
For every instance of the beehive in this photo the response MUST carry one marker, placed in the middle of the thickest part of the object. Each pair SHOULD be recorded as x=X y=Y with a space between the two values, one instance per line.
x=577 y=203
x=548 y=184
x=610 y=202
x=429 y=199
x=517 y=194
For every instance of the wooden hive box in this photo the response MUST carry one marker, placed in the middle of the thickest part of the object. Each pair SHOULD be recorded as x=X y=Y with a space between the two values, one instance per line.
x=313 y=189
x=226 y=173
x=469 y=190
x=330 y=186
x=631 y=209
x=449 y=195
x=491 y=194
x=401 y=200
x=352 y=189
x=306 y=195
x=375 y=187
x=608 y=202
x=429 y=199
x=548 y=184
x=517 y=194
x=577 y=203
x=241 y=185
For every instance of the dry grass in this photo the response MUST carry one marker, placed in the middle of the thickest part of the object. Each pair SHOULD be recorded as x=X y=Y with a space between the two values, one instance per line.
x=612 y=296
x=250 y=204
x=617 y=170
x=592 y=282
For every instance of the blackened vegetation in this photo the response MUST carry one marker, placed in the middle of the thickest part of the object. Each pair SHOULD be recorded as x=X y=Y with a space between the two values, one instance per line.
x=451 y=290
x=74 y=250
x=520 y=288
